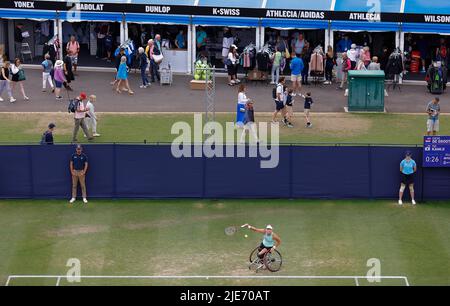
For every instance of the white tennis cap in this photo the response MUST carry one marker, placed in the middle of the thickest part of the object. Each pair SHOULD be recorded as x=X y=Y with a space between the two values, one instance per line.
x=269 y=226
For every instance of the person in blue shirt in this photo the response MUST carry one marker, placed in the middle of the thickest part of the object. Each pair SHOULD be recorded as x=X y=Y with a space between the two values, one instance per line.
x=47 y=137
x=180 y=40
x=343 y=45
x=78 y=168
x=407 y=168
x=296 y=73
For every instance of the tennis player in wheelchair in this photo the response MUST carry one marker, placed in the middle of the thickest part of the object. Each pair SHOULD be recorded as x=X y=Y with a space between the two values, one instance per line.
x=270 y=241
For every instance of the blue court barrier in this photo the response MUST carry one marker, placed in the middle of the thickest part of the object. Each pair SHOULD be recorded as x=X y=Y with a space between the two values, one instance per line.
x=151 y=171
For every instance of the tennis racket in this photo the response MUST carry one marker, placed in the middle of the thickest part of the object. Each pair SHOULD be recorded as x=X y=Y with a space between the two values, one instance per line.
x=231 y=230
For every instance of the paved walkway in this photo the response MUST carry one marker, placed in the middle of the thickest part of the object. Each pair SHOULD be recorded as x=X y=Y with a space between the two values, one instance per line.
x=180 y=98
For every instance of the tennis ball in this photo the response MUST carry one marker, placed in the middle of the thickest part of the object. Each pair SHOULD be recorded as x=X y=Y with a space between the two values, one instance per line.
x=246 y=236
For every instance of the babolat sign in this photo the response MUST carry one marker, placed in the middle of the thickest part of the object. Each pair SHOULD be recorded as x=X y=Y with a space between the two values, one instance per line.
x=223 y=11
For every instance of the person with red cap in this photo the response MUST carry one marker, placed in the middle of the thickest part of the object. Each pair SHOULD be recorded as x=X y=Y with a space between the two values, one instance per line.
x=79 y=116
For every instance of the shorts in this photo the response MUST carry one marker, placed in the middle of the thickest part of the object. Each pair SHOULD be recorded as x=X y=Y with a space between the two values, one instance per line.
x=262 y=246
x=307 y=110
x=407 y=179
x=231 y=70
x=296 y=77
x=58 y=84
x=279 y=105
x=74 y=59
x=433 y=125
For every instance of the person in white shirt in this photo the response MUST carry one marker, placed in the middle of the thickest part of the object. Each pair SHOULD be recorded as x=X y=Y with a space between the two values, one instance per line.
x=91 y=118
x=79 y=118
x=353 y=55
x=227 y=41
x=231 y=64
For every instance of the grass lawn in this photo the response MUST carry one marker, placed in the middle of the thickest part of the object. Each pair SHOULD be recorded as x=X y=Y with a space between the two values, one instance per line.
x=186 y=237
x=327 y=127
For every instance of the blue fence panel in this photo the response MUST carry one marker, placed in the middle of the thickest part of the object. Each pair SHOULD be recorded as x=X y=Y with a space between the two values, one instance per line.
x=15 y=172
x=141 y=171
x=244 y=177
x=436 y=183
x=330 y=172
x=152 y=171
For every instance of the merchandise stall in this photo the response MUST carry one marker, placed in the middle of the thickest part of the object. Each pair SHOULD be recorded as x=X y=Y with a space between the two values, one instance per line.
x=24 y=33
x=175 y=32
x=90 y=30
x=427 y=39
x=242 y=31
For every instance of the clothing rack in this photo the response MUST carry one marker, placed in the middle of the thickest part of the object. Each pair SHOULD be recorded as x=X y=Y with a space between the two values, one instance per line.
x=396 y=55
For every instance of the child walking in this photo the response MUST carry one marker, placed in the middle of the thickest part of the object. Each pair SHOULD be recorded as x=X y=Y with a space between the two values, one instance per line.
x=289 y=106
x=307 y=108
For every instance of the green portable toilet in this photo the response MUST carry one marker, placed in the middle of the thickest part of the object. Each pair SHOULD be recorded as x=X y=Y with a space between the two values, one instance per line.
x=366 y=90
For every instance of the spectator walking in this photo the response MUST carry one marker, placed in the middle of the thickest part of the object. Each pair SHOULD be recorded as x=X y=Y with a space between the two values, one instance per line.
x=289 y=106
x=47 y=66
x=143 y=64
x=73 y=49
x=249 y=121
x=78 y=168
x=433 y=111
x=346 y=66
x=296 y=71
x=91 y=116
x=5 y=82
x=180 y=40
x=117 y=61
x=60 y=78
x=18 y=77
x=79 y=118
x=330 y=62
x=276 y=66
x=47 y=136
x=365 y=56
x=68 y=72
x=407 y=168
x=279 y=98
x=122 y=77
x=307 y=108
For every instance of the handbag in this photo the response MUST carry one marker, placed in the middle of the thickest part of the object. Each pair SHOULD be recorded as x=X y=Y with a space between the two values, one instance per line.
x=21 y=76
x=158 y=58
x=287 y=54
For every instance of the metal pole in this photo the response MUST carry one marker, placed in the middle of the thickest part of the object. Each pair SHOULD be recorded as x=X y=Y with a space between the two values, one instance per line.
x=210 y=94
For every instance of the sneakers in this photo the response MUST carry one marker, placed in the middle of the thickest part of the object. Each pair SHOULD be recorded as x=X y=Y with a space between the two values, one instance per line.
x=285 y=121
x=272 y=83
x=142 y=86
x=59 y=98
x=96 y=135
x=12 y=100
x=290 y=125
x=85 y=201
x=72 y=200
x=400 y=202
x=26 y=98
x=413 y=202
x=309 y=124
x=1 y=99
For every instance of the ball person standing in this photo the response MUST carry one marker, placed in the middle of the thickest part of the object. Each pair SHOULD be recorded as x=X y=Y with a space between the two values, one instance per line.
x=78 y=168
x=407 y=168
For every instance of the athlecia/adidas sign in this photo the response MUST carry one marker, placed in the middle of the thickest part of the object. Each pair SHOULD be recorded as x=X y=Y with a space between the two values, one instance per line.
x=224 y=11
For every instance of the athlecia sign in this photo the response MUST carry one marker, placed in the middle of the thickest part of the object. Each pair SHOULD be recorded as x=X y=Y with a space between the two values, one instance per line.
x=223 y=11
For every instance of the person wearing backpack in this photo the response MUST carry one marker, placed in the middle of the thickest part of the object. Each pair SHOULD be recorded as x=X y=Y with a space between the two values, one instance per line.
x=47 y=136
x=346 y=66
x=279 y=96
x=79 y=118
x=18 y=76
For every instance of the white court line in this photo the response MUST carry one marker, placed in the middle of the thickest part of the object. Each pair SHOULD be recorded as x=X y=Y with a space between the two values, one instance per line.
x=59 y=277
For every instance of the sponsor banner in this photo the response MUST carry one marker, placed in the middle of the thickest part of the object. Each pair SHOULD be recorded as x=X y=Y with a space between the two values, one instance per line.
x=223 y=11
